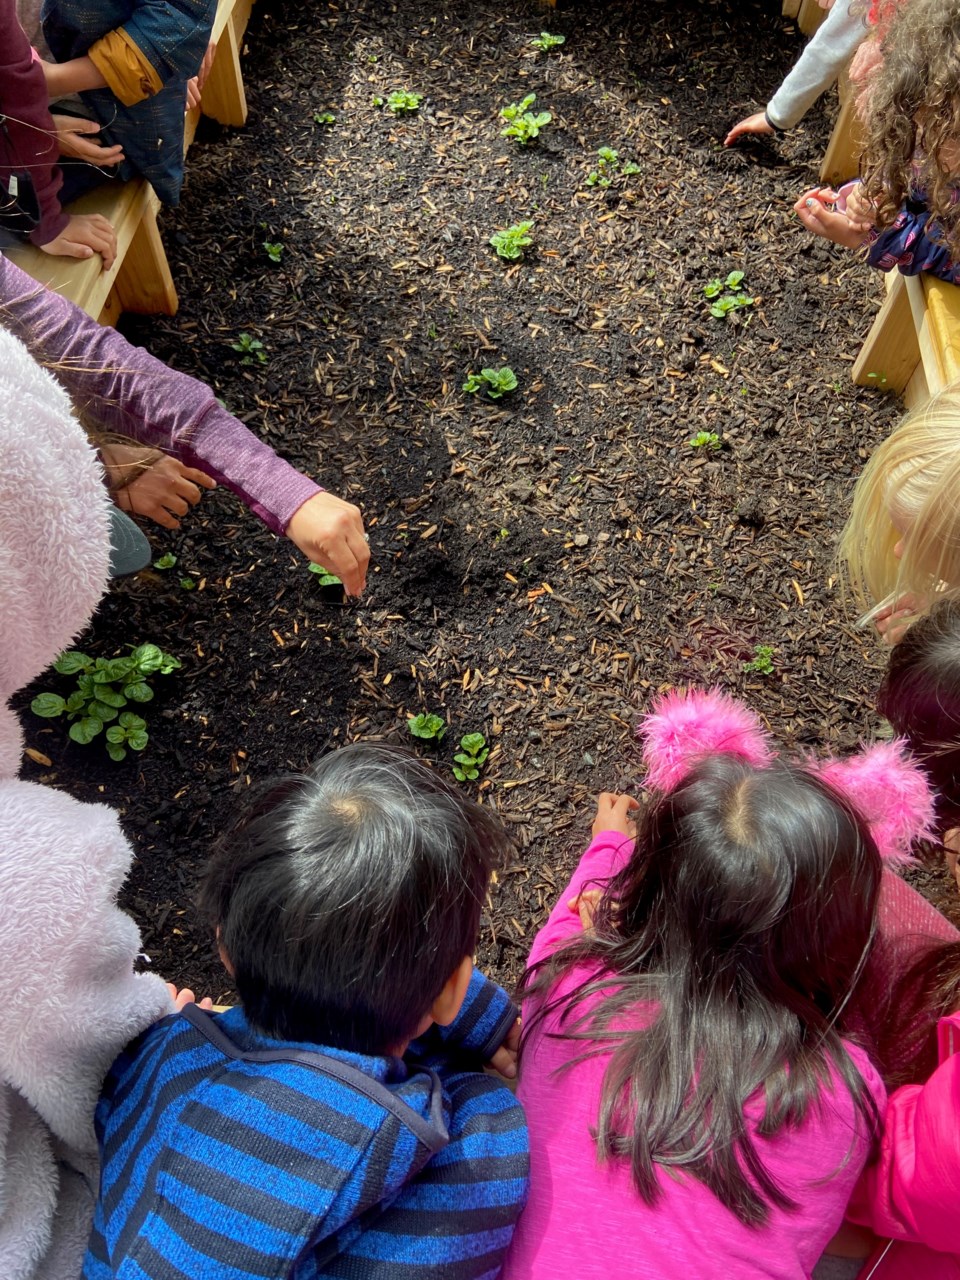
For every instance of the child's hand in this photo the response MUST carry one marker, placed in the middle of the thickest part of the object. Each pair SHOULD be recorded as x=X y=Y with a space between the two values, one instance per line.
x=75 y=138
x=951 y=845
x=329 y=531
x=813 y=212
x=585 y=906
x=504 y=1060
x=185 y=997
x=890 y=621
x=613 y=814
x=193 y=93
x=859 y=210
x=757 y=123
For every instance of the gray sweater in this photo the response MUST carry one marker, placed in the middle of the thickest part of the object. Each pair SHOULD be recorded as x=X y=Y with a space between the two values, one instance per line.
x=828 y=52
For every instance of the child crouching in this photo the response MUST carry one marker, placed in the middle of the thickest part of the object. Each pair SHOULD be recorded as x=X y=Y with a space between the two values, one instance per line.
x=338 y=1122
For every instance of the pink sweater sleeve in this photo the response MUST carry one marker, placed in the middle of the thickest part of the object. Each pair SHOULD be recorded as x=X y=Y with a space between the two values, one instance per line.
x=606 y=854
x=913 y=1190
x=123 y=389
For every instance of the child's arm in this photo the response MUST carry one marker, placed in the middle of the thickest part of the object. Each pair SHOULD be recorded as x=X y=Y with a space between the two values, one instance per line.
x=485 y=1020
x=913 y=1189
x=908 y=245
x=606 y=854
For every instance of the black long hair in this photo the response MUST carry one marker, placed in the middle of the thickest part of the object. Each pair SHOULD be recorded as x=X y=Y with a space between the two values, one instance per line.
x=743 y=923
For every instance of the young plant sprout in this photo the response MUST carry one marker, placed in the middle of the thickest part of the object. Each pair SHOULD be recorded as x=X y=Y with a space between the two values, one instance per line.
x=727 y=295
x=706 y=440
x=403 y=101
x=471 y=757
x=274 y=251
x=496 y=382
x=166 y=561
x=523 y=125
x=427 y=726
x=609 y=167
x=104 y=687
x=250 y=349
x=762 y=661
x=545 y=42
x=324 y=577
x=324 y=117
x=511 y=241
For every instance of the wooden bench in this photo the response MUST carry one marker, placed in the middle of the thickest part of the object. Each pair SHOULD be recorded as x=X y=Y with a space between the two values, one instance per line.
x=913 y=347
x=140 y=278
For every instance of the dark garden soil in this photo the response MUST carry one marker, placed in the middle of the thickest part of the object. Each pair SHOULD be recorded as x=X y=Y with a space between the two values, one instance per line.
x=542 y=565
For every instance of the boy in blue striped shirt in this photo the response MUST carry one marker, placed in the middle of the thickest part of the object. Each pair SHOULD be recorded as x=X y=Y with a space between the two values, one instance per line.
x=338 y=1123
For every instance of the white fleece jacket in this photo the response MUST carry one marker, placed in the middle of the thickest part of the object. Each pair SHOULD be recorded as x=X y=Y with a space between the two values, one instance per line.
x=71 y=999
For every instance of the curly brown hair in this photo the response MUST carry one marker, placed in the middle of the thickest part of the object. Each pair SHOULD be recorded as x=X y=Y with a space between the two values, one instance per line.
x=910 y=108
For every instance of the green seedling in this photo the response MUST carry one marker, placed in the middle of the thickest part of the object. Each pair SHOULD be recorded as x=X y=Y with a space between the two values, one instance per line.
x=609 y=167
x=104 y=687
x=250 y=349
x=545 y=42
x=166 y=561
x=402 y=101
x=502 y=535
x=324 y=577
x=706 y=440
x=324 y=117
x=523 y=125
x=471 y=757
x=274 y=251
x=511 y=241
x=188 y=584
x=726 y=295
x=376 y=100
x=762 y=661
x=496 y=382
x=427 y=726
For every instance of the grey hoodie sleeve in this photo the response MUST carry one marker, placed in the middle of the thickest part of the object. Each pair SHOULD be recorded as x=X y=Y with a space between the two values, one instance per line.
x=828 y=52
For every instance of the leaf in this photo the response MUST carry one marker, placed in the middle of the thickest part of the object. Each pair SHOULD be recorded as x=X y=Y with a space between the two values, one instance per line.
x=76 y=700
x=718 y=311
x=714 y=287
x=327 y=579
x=734 y=279
x=130 y=720
x=116 y=734
x=140 y=691
x=148 y=658
x=114 y=669
x=138 y=739
x=48 y=705
x=68 y=664
x=85 y=730
x=112 y=697
x=102 y=711
x=166 y=561
x=427 y=726
x=187 y=584
x=170 y=663
x=116 y=752
x=472 y=742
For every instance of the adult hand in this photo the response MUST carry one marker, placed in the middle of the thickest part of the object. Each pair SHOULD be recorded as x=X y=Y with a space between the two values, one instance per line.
x=505 y=1059
x=74 y=136
x=757 y=123
x=84 y=235
x=329 y=531
x=613 y=814
x=186 y=996
x=812 y=211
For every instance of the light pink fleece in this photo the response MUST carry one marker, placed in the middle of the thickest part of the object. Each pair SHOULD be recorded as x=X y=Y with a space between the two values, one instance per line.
x=585 y=1221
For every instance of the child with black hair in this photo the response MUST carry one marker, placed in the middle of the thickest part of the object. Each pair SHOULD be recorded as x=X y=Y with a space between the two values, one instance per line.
x=338 y=1123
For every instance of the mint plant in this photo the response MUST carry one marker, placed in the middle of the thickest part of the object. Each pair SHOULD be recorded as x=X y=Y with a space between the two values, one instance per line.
x=545 y=42
x=496 y=382
x=523 y=125
x=274 y=251
x=727 y=295
x=402 y=101
x=324 y=577
x=427 y=726
x=471 y=757
x=104 y=687
x=511 y=241
x=706 y=440
x=250 y=349
x=762 y=661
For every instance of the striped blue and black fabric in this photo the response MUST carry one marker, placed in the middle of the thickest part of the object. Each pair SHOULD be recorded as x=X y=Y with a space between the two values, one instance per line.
x=227 y=1155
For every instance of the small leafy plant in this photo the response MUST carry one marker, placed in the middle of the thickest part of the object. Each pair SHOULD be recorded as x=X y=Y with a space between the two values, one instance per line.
x=545 y=42
x=762 y=661
x=250 y=349
x=104 y=687
x=324 y=577
x=706 y=440
x=166 y=561
x=471 y=757
x=427 y=726
x=524 y=125
x=608 y=167
x=727 y=295
x=324 y=117
x=402 y=101
x=496 y=382
x=274 y=251
x=188 y=584
x=511 y=241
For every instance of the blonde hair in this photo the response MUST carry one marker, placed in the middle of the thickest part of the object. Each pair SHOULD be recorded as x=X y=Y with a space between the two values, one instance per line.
x=909 y=491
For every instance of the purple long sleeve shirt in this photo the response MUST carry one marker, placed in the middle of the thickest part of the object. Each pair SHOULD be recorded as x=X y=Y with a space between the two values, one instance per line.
x=125 y=390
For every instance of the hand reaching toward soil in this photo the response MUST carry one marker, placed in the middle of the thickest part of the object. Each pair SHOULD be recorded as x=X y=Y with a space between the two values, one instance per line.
x=146 y=482
x=613 y=814
x=329 y=531
x=757 y=123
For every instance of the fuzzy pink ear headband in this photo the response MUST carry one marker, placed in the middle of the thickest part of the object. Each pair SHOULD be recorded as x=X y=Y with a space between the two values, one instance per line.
x=886 y=786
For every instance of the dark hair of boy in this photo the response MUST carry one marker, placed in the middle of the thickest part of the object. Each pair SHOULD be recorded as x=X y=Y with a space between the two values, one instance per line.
x=920 y=696
x=743 y=921
x=347 y=896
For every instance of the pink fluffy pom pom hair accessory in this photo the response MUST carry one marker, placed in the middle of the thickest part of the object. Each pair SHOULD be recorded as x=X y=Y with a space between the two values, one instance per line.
x=882 y=782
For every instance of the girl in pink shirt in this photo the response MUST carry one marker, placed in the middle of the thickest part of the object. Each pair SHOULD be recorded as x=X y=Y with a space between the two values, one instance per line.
x=696 y=1108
